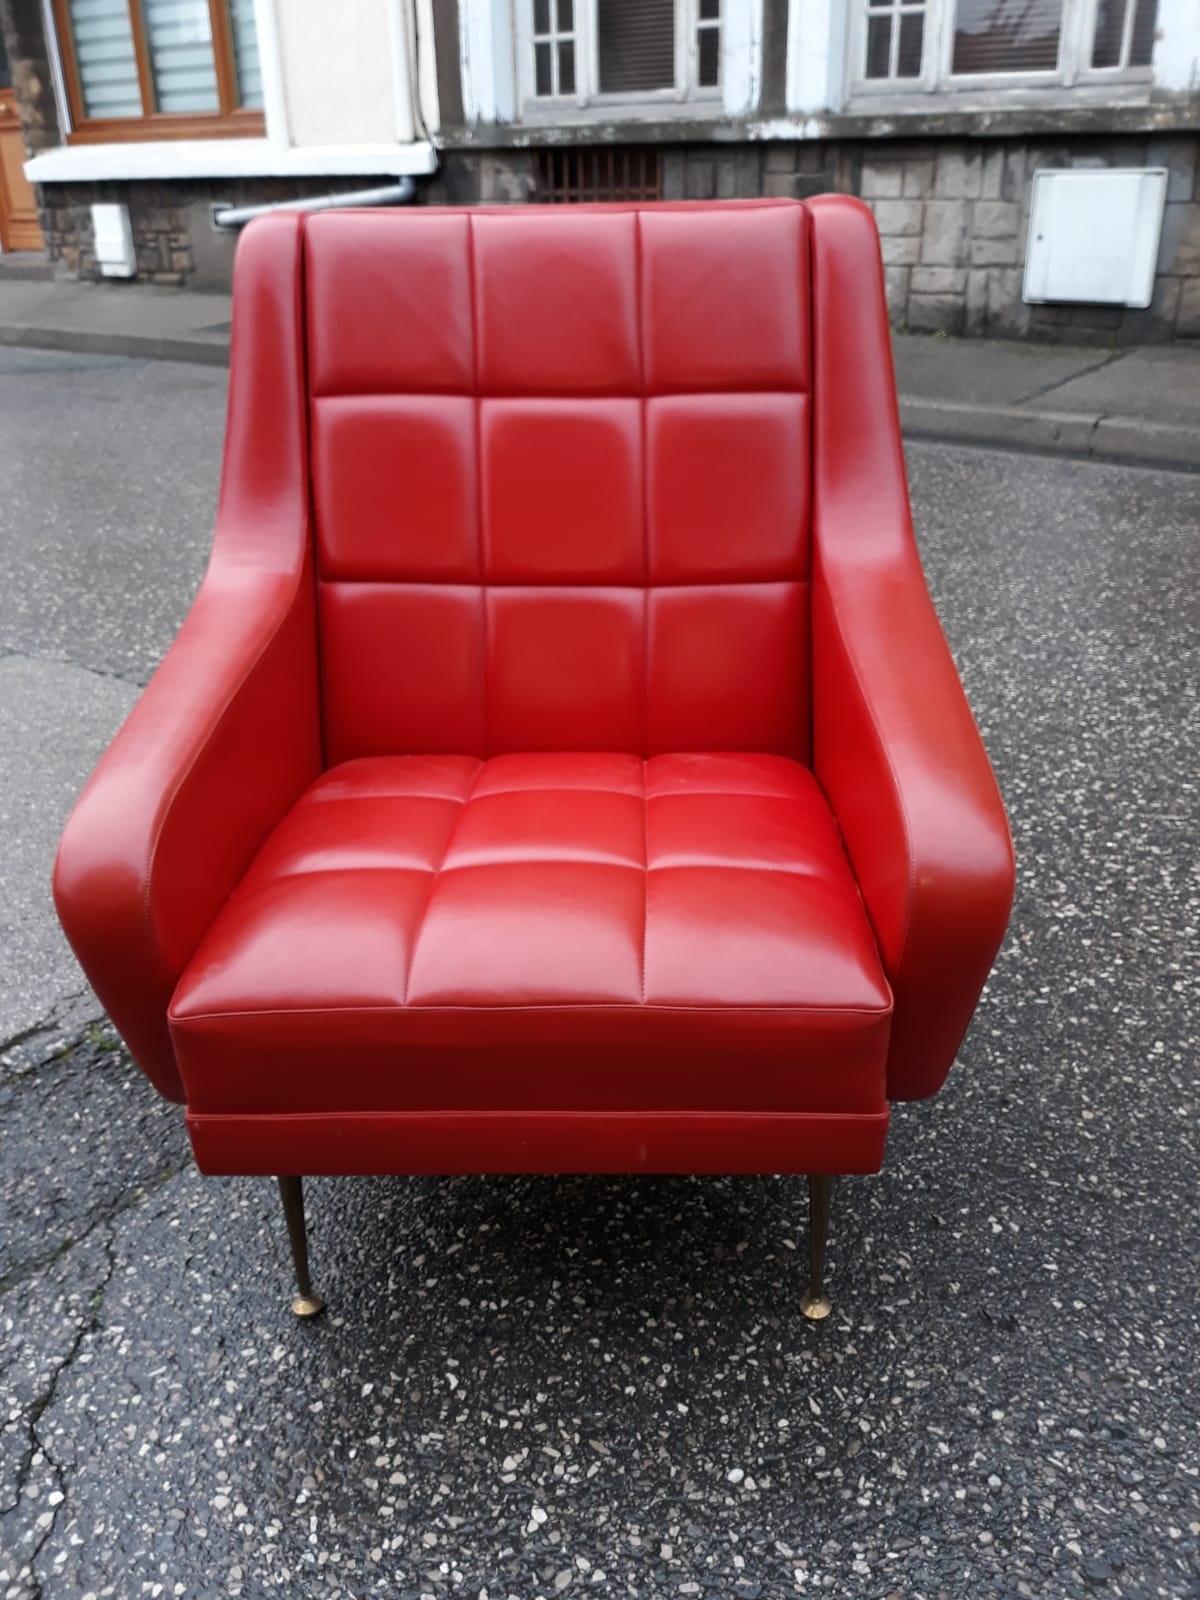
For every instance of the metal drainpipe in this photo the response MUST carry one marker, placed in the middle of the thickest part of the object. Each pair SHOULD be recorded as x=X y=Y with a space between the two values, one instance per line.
x=392 y=194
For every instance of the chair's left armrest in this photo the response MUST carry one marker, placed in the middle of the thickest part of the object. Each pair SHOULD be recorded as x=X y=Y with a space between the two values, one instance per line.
x=894 y=743
x=227 y=733
x=221 y=742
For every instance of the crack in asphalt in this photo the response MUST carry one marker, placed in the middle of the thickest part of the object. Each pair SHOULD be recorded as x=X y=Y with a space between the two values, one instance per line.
x=37 y=1409
x=103 y=1221
x=11 y=653
x=1058 y=383
x=51 y=1022
x=129 y=1201
x=43 y=1403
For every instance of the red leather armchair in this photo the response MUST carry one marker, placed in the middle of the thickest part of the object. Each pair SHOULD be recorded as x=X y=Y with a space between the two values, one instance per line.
x=562 y=768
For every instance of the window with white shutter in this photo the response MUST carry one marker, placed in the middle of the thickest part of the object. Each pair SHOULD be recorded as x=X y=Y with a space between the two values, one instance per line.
x=160 y=69
x=635 y=45
x=1124 y=34
x=1006 y=36
x=620 y=51
x=907 y=47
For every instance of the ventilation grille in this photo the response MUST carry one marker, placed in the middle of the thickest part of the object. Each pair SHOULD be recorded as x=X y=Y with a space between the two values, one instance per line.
x=612 y=172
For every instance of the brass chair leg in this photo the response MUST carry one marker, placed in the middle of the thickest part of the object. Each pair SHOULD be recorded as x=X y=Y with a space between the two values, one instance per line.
x=291 y=1192
x=815 y=1304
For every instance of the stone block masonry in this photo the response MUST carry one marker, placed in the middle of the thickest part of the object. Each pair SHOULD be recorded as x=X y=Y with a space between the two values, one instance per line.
x=954 y=247
x=953 y=215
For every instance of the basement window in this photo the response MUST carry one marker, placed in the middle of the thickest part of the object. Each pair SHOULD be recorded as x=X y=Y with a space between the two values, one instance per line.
x=597 y=172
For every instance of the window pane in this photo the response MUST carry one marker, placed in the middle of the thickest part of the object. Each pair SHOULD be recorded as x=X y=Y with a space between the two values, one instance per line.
x=1110 y=25
x=179 y=34
x=912 y=39
x=566 y=16
x=879 y=46
x=637 y=45
x=542 y=72
x=708 y=66
x=541 y=16
x=245 y=54
x=1007 y=35
x=566 y=67
x=1145 y=20
x=710 y=10
x=108 y=77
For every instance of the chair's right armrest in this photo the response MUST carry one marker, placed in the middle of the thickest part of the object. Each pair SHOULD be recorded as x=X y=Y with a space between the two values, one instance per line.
x=227 y=733
x=894 y=743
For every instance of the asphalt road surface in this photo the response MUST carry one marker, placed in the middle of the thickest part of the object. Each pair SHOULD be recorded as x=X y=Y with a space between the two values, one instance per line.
x=536 y=1387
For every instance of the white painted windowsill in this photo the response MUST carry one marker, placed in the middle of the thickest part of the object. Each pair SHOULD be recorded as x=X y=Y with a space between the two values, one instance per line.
x=226 y=158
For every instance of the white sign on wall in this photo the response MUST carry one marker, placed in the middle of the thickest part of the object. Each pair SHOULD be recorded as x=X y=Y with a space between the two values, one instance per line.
x=1093 y=235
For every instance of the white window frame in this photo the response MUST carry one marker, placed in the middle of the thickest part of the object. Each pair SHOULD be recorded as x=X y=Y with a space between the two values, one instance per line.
x=685 y=97
x=1076 y=40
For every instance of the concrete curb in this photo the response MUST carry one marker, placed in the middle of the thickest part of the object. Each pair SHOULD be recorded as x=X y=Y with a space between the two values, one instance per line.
x=1087 y=436
x=1081 y=434
x=94 y=342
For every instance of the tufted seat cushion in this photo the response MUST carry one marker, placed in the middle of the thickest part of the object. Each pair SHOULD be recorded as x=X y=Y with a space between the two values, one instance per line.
x=544 y=931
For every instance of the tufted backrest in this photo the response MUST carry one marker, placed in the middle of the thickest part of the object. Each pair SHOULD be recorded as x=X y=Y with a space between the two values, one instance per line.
x=560 y=477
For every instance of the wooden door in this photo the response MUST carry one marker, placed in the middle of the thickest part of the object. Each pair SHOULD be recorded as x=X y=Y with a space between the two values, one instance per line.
x=19 y=228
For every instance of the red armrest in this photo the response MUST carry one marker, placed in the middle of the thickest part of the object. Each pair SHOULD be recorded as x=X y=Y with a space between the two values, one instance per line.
x=894 y=742
x=227 y=733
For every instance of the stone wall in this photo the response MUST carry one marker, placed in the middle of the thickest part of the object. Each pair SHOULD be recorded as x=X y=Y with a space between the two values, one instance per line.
x=954 y=218
x=953 y=215
x=171 y=220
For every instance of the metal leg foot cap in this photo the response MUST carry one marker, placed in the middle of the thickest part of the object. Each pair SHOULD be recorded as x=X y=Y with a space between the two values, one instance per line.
x=308 y=1305
x=816 y=1307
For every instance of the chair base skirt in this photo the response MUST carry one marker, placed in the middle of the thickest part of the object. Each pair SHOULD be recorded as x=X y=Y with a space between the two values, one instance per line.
x=443 y=1143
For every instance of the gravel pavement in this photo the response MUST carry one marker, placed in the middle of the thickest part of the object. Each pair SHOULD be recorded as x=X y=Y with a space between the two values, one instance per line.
x=535 y=1387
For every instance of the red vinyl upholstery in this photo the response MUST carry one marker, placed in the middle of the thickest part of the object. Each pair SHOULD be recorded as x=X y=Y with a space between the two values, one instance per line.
x=562 y=767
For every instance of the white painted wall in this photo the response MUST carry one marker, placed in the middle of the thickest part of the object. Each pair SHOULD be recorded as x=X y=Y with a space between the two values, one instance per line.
x=1176 y=59
x=429 y=108
x=339 y=71
x=486 y=46
x=742 y=64
x=816 y=37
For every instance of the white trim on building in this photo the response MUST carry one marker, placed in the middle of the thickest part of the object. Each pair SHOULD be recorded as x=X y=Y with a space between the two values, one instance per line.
x=496 y=50
x=290 y=65
x=226 y=158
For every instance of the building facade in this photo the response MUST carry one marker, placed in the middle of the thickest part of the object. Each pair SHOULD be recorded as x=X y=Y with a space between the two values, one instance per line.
x=938 y=112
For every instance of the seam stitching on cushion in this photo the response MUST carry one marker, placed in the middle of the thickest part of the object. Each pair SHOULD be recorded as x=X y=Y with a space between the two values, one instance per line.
x=377 y=794
x=520 y=1113
x=879 y=1013
x=889 y=766
x=556 y=394
x=433 y=881
x=476 y=409
x=723 y=794
x=821 y=580
x=788 y=581
x=442 y=869
x=217 y=720
x=643 y=467
x=309 y=446
x=645 y=884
